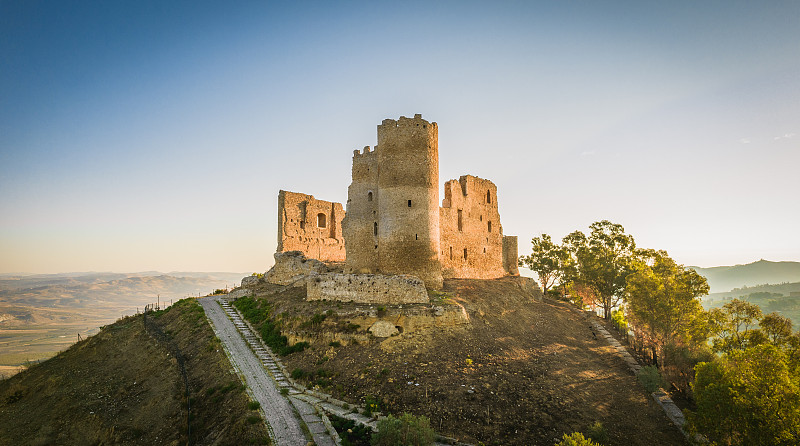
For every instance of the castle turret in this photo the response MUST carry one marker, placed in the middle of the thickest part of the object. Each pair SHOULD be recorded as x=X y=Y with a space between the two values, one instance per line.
x=408 y=202
x=361 y=220
x=392 y=220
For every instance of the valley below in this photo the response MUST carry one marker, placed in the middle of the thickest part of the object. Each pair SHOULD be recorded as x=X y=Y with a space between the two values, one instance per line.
x=41 y=315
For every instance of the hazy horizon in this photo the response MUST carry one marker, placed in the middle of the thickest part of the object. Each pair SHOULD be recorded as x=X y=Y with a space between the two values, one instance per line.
x=140 y=136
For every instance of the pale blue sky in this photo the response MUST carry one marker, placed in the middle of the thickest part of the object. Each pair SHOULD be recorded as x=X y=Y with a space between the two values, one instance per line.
x=155 y=135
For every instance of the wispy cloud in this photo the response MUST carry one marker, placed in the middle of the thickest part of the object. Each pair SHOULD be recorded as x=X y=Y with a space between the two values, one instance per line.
x=745 y=140
x=785 y=136
x=588 y=153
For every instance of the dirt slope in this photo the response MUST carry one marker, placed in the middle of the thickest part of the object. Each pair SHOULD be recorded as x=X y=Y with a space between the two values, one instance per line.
x=523 y=372
x=122 y=386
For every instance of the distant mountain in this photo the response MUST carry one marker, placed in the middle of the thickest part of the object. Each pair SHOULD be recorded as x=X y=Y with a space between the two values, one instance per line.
x=726 y=278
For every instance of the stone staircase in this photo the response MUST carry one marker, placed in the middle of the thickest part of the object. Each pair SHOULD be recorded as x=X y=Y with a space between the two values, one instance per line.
x=315 y=419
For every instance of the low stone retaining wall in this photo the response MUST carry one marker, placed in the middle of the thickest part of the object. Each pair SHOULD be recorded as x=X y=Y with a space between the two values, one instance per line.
x=367 y=288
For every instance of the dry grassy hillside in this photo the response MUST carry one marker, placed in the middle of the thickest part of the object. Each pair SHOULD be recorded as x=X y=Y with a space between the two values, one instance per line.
x=523 y=372
x=123 y=386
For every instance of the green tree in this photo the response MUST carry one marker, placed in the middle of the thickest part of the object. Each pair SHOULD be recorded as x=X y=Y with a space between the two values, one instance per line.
x=602 y=261
x=547 y=259
x=407 y=430
x=747 y=397
x=735 y=326
x=778 y=329
x=663 y=300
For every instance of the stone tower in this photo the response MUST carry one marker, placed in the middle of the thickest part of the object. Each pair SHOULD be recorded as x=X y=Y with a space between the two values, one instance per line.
x=392 y=221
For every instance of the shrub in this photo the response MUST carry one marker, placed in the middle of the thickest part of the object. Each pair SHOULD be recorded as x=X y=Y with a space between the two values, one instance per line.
x=598 y=433
x=351 y=434
x=407 y=430
x=651 y=379
x=298 y=373
x=371 y=404
x=575 y=439
x=253 y=405
x=335 y=344
x=253 y=419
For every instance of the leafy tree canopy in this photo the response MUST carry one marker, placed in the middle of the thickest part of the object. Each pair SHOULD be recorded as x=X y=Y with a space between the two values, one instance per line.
x=548 y=260
x=663 y=299
x=602 y=261
x=748 y=397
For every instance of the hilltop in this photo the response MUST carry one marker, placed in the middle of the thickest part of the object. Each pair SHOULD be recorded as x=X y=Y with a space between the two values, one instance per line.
x=523 y=371
x=726 y=278
x=124 y=386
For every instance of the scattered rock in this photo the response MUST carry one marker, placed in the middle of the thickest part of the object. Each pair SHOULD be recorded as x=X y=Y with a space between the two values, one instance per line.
x=383 y=329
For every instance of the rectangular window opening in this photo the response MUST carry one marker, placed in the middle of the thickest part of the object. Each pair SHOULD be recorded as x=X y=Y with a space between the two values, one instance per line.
x=409 y=203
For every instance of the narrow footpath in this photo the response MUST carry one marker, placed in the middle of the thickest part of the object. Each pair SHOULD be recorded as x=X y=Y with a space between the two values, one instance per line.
x=284 y=425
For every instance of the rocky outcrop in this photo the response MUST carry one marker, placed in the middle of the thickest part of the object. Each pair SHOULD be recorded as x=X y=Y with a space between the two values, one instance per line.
x=383 y=329
x=292 y=267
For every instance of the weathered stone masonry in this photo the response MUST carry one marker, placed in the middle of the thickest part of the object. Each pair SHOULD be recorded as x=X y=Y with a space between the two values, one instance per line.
x=393 y=223
x=311 y=226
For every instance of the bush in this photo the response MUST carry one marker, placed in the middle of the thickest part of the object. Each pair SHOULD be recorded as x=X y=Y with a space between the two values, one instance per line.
x=407 y=430
x=651 y=379
x=598 y=433
x=351 y=434
x=575 y=439
x=253 y=419
x=253 y=405
x=298 y=373
x=371 y=404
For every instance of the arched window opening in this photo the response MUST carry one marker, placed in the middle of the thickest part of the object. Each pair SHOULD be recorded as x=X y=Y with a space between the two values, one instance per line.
x=322 y=220
x=488 y=196
x=369 y=196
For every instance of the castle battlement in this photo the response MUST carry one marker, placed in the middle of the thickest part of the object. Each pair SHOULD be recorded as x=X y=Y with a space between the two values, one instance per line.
x=404 y=122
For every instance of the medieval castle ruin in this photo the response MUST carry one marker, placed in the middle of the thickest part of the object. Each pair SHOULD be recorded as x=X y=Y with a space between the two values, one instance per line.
x=394 y=226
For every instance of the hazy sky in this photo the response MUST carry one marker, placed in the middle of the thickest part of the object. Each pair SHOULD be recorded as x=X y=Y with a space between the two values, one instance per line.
x=138 y=135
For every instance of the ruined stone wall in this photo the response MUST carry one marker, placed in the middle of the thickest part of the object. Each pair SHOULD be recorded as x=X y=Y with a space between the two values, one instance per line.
x=311 y=226
x=471 y=234
x=510 y=255
x=366 y=288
